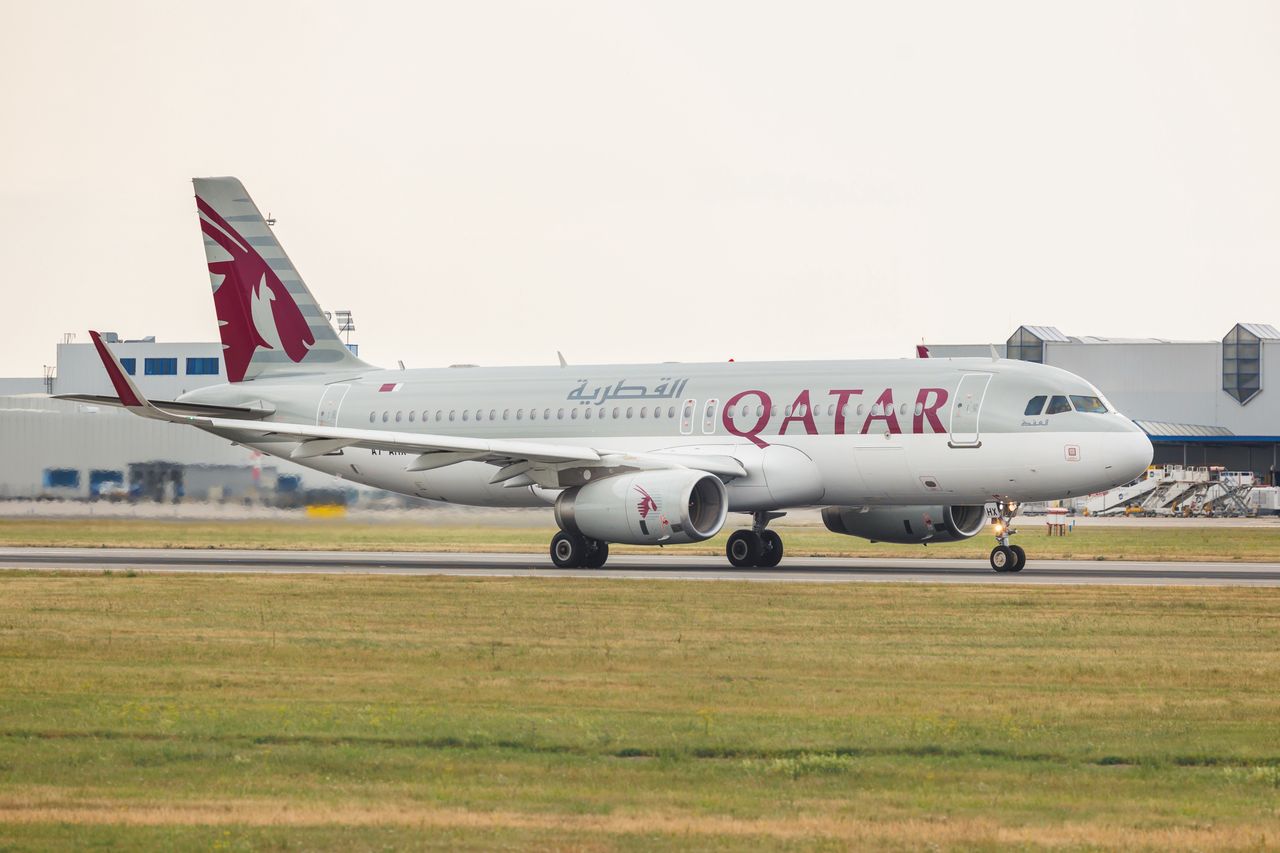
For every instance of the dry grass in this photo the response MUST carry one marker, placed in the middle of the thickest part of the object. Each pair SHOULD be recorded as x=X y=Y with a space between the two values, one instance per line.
x=374 y=712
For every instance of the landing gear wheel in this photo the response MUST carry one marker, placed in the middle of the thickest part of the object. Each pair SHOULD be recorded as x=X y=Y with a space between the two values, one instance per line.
x=772 y=554
x=568 y=550
x=744 y=548
x=1003 y=559
x=597 y=553
x=1022 y=558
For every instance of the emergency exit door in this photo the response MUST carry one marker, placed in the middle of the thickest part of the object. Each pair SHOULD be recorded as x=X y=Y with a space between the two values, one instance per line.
x=966 y=409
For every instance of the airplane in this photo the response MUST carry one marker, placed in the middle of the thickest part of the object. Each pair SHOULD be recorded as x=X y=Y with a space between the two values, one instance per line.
x=909 y=451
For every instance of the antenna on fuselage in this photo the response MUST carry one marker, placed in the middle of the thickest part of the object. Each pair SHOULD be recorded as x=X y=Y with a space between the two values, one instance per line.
x=560 y=356
x=995 y=356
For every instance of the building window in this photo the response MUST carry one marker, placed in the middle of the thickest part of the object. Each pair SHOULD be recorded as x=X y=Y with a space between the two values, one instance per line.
x=1241 y=364
x=1025 y=346
x=202 y=367
x=160 y=367
x=130 y=365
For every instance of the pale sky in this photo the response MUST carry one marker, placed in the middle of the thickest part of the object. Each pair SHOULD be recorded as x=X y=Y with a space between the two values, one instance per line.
x=491 y=182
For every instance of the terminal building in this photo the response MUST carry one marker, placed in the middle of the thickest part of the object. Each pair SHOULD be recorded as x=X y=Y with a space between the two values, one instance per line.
x=69 y=450
x=1203 y=403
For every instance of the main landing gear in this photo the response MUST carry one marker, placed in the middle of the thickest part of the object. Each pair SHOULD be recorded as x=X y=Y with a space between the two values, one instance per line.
x=575 y=551
x=1006 y=557
x=758 y=547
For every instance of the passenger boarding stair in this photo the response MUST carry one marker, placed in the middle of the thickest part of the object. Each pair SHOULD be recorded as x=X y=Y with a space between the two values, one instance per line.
x=1115 y=500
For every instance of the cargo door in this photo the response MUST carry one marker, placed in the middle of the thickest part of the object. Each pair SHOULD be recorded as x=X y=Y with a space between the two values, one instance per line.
x=966 y=409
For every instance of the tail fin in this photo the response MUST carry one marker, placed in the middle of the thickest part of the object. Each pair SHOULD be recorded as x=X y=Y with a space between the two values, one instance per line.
x=269 y=322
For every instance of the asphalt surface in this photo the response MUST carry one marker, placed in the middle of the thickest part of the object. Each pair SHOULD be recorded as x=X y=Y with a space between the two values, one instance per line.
x=665 y=567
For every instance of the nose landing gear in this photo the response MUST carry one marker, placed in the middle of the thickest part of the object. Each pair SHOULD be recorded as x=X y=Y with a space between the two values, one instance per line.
x=1006 y=557
x=759 y=547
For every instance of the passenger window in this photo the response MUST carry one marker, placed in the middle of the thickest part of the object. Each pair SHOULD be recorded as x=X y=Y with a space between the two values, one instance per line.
x=559 y=414
x=644 y=411
x=466 y=415
x=533 y=414
x=1058 y=405
x=1092 y=405
x=493 y=414
x=399 y=416
x=1035 y=405
x=586 y=413
x=615 y=413
x=630 y=412
x=411 y=416
x=546 y=414
x=573 y=414
x=671 y=411
x=385 y=415
x=373 y=416
x=519 y=414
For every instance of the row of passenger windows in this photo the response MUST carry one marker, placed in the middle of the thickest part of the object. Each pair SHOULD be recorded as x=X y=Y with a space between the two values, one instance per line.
x=1058 y=404
x=518 y=414
x=618 y=412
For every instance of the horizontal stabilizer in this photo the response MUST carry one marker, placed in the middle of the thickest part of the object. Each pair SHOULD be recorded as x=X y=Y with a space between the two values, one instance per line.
x=246 y=412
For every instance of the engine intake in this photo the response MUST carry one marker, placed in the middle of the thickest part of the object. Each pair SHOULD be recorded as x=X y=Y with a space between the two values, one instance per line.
x=646 y=508
x=906 y=525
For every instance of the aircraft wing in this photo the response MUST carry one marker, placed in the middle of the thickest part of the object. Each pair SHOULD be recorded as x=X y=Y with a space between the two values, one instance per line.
x=522 y=462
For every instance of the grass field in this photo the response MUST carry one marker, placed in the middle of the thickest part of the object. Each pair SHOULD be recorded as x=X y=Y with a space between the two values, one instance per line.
x=259 y=712
x=1257 y=544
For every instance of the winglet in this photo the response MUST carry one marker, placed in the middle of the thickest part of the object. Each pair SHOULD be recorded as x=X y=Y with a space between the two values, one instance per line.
x=130 y=397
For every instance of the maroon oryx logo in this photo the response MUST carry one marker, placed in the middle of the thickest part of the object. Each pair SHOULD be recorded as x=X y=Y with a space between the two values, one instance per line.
x=646 y=504
x=249 y=283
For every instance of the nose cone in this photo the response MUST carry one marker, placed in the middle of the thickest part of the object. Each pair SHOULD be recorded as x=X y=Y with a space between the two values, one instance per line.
x=1129 y=453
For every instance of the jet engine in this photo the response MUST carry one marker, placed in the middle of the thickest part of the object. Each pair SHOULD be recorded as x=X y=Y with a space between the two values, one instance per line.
x=646 y=508
x=906 y=525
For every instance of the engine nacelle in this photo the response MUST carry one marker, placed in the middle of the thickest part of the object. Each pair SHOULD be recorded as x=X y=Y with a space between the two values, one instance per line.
x=646 y=508
x=906 y=525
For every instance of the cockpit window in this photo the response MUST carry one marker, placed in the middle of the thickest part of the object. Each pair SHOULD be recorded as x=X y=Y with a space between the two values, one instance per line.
x=1088 y=404
x=1058 y=405
x=1036 y=405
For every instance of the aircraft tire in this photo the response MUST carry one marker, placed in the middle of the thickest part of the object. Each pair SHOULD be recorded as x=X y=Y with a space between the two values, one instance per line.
x=568 y=550
x=1022 y=558
x=772 y=553
x=1003 y=559
x=597 y=554
x=744 y=549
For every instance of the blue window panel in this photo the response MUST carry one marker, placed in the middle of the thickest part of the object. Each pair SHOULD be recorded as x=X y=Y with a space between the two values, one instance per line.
x=202 y=367
x=61 y=478
x=130 y=365
x=160 y=367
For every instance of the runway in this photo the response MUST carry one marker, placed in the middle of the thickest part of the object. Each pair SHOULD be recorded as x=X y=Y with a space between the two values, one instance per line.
x=663 y=567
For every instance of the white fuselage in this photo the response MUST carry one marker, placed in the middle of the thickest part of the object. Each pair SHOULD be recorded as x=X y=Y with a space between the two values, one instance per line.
x=808 y=433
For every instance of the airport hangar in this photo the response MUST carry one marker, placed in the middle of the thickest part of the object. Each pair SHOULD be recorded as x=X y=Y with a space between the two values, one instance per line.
x=1204 y=403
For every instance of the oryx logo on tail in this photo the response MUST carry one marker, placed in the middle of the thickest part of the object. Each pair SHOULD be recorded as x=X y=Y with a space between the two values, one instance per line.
x=254 y=308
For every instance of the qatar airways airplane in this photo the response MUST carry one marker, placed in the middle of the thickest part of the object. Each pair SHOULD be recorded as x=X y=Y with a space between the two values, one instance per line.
x=907 y=451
